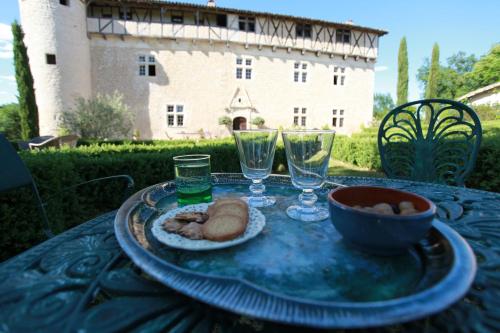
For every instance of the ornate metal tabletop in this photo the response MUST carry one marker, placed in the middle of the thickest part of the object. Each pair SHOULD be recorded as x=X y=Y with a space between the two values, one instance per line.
x=81 y=280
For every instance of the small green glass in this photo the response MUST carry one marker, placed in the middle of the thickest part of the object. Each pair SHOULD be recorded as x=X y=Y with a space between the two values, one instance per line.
x=192 y=179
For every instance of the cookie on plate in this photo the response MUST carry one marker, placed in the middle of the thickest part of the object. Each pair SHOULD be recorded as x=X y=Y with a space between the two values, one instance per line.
x=222 y=228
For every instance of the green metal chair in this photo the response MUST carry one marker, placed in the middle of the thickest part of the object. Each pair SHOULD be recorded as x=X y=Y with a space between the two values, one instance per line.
x=14 y=174
x=434 y=140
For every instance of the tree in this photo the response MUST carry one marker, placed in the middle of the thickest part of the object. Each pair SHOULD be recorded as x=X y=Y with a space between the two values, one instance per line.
x=461 y=62
x=102 y=117
x=432 y=82
x=451 y=79
x=28 y=111
x=10 y=121
x=485 y=72
x=382 y=104
x=402 y=89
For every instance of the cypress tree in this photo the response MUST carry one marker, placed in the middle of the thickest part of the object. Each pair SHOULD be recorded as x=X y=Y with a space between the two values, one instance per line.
x=432 y=81
x=28 y=111
x=402 y=89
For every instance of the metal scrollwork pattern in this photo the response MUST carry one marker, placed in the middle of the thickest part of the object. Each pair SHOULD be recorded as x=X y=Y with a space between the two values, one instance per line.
x=80 y=281
x=430 y=140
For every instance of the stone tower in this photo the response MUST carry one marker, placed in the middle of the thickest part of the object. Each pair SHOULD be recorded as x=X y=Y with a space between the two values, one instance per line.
x=59 y=55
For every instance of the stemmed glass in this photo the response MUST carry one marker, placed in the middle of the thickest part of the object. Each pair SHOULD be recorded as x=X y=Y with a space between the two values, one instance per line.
x=256 y=151
x=308 y=153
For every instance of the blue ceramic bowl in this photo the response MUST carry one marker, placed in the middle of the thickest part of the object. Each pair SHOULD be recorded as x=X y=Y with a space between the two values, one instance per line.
x=379 y=233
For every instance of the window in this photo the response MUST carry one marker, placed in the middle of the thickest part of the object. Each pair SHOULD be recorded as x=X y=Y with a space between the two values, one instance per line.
x=147 y=65
x=303 y=30
x=64 y=2
x=221 y=20
x=125 y=15
x=343 y=36
x=177 y=18
x=107 y=12
x=152 y=70
x=50 y=59
x=338 y=118
x=300 y=72
x=246 y=65
x=299 y=116
x=338 y=76
x=247 y=23
x=175 y=115
x=142 y=70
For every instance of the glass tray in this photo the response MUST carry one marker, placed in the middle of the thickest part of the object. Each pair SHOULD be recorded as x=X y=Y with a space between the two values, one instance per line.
x=299 y=272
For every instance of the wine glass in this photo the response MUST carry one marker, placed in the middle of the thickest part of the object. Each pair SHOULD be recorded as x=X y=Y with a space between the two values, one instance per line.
x=256 y=151
x=308 y=153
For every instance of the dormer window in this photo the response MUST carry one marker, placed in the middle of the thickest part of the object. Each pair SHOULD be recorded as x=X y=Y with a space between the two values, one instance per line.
x=247 y=23
x=303 y=30
x=343 y=36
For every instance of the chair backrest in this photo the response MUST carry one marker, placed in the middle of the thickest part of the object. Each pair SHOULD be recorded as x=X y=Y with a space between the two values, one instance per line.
x=434 y=140
x=13 y=172
x=51 y=142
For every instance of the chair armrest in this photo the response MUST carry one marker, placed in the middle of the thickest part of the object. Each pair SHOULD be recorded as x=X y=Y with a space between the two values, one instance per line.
x=130 y=185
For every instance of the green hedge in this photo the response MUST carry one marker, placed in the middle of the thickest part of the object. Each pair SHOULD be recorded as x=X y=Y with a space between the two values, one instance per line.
x=54 y=170
x=150 y=162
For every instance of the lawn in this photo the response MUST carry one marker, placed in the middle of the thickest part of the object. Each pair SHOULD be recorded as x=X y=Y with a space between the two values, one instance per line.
x=339 y=168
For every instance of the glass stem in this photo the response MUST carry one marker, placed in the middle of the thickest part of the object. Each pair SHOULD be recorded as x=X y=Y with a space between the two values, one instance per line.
x=307 y=200
x=257 y=188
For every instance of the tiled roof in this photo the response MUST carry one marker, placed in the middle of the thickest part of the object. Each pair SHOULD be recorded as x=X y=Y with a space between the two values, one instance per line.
x=184 y=5
x=480 y=90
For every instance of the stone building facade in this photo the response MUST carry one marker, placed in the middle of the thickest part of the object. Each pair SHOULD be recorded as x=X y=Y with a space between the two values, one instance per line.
x=183 y=67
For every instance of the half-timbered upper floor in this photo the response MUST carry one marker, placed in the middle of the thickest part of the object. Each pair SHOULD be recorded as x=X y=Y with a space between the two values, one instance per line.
x=158 y=19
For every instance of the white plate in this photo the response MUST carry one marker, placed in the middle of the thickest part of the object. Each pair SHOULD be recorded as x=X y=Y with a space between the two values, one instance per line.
x=256 y=223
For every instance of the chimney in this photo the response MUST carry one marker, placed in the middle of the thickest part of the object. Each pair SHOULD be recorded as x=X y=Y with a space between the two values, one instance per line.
x=211 y=3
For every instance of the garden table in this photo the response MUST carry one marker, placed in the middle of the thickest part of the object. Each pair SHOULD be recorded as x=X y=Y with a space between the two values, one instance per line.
x=81 y=280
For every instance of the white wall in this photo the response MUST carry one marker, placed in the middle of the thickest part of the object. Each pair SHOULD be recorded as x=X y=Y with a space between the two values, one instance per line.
x=201 y=76
x=61 y=30
x=486 y=98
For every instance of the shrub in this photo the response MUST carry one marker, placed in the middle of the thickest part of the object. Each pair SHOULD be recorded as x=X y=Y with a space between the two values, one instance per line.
x=258 y=121
x=487 y=111
x=103 y=117
x=225 y=120
x=10 y=121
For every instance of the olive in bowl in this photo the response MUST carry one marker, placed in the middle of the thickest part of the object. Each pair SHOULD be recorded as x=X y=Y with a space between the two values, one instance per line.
x=380 y=231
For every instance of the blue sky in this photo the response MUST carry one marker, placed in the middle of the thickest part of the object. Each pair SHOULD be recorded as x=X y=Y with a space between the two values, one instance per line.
x=457 y=25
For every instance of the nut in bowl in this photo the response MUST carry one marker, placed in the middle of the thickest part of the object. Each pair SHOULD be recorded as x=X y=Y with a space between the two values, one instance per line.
x=380 y=220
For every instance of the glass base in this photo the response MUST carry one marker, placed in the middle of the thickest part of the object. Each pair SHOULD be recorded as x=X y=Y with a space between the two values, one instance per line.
x=307 y=214
x=263 y=201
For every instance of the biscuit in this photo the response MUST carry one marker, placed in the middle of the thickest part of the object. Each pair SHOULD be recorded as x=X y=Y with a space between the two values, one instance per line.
x=231 y=209
x=191 y=231
x=222 y=228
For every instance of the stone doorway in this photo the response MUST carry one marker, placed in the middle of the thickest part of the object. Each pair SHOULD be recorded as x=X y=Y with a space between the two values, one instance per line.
x=239 y=123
